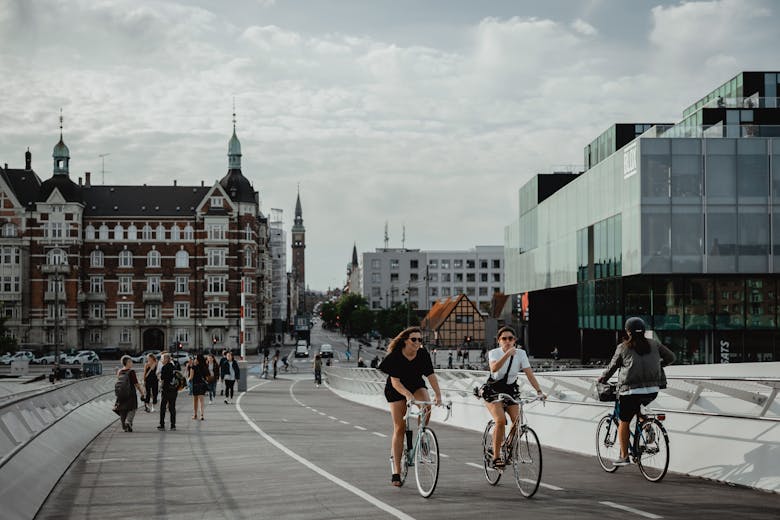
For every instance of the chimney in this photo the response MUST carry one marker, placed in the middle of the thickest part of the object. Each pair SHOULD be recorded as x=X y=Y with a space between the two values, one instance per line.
x=174 y=182
x=202 y=183
x=87 y=181
x=79 y=181
x=28 y=160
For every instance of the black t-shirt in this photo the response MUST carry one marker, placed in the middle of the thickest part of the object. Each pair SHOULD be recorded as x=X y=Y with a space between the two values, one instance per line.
x=409 y=372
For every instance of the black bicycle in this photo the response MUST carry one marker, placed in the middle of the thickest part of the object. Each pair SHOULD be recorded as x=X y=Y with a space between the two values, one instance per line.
x=649 y=443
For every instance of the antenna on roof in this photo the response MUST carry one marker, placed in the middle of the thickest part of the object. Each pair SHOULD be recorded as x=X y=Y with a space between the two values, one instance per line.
x=387 y=237
x=403 y=238
x=103 y=166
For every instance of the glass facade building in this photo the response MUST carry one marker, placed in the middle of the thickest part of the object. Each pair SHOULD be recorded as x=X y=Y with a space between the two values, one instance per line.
x=679 y=227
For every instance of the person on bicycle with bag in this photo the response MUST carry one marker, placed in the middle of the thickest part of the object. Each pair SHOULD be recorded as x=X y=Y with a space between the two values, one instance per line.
x=505 y=362
x=405 y=365
x=640 y=361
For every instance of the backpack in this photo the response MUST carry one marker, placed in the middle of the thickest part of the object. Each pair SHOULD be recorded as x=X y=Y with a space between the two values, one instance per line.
x=178 y=382
x=123 y=390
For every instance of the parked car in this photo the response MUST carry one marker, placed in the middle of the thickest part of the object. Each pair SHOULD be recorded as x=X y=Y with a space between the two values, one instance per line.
x=110 y=353
x=81 y=357
x=5 y=359
x=181 y=356
x=301 y=349
x=22 y=355
x=49 y=357
x=326 y=350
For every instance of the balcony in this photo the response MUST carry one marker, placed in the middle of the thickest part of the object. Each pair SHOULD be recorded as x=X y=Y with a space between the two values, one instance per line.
x=152 y=322
x=152 y=296
x=95 y=296
x=216 y=322
x=96 y=322
x=55 y=269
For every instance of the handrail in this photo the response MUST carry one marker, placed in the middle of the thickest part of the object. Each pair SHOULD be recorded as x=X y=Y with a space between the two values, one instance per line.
x=750 y=397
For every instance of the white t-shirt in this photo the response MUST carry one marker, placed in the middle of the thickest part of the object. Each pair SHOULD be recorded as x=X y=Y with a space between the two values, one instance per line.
x=514 y=364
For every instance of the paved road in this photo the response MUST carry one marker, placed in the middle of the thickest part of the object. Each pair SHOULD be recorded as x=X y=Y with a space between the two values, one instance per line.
x=290 y=450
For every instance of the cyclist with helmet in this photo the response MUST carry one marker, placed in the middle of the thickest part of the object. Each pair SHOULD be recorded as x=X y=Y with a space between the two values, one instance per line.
x=505 y=362
x=640 y=378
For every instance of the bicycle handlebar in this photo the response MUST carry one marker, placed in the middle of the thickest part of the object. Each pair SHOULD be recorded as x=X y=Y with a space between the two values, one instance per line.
x=446 y=404
x=521 y=401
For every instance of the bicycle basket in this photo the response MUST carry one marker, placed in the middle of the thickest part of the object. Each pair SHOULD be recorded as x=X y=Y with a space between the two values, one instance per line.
x=606 y=391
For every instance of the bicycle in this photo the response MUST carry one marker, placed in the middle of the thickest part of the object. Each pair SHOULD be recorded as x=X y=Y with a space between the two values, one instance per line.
x=422 y=451
x=648 y=446
x=520 y=448
x=290 y=367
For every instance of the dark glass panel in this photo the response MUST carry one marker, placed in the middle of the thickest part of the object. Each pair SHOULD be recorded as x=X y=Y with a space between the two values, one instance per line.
x=699 y=304
x=668 y=303
x=761 y=302
x=730 y=303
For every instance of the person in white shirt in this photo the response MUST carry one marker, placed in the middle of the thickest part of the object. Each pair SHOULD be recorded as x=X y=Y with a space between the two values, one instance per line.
x=505 y=362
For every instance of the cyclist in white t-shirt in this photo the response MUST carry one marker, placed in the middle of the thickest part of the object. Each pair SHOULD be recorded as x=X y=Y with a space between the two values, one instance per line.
x=505 y=362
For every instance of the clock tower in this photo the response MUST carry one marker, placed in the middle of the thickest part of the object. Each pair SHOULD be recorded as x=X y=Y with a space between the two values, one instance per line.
x=299 y=254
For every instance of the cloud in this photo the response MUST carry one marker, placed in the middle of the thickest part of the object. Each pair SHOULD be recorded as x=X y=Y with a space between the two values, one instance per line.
x=583 y=27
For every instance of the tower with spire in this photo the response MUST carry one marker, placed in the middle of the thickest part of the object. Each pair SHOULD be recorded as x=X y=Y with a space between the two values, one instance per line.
x=299 y=253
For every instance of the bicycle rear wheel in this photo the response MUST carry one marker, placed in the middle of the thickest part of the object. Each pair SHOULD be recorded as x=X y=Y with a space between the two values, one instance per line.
x=607 y=445
x=426 y=462
x=652 y=448
x=527 y=462
x=491 y=473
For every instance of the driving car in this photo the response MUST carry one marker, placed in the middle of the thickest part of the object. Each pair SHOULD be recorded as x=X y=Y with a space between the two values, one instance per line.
x=82 y=356
x=301 y=349
x=326 y=350
x=19 y=356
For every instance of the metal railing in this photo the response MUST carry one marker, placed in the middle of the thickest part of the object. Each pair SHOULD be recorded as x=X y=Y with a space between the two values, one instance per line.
x=750 y=398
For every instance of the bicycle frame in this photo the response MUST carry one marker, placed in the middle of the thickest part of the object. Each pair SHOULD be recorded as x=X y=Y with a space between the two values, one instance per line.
x=521 y=422
x=422 y=410
x=636 y=432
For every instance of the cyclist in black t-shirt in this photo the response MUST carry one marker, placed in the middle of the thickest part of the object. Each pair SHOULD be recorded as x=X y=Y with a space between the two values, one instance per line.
x=405 y=365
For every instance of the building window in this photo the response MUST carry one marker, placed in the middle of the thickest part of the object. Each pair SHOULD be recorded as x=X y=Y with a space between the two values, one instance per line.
x=51 y=308
x=376 y=292
x=146 y=232
x=470 y=291
x=153 y=258
x=89 y=232
x=483 y=291
x=375 y=263
x=248 y=232
x=458 y=277
x=435 y=277
x=96 y=284
x=153 y=311
x=217 y=231
x=464 y=318
x=182 y=258
x=496 y=264
x=483 y=264
x=216 y=202
x=216 y=258
x=54 y=229
x=458 y=290
x=56 y=284
x=248 y=257
x=132 y=232
x=119 y=232
x=376 y=278
x=103 y=232
x=96 y=336
x=97 y=311
x=470 y=264
x=57 y=257
x=216 y=310
x=483 y=277
x=457 y=263
x=496 y=277
x=153 y=284
x=445 y=291
x=413 y=277
x=182 y=335
x=470 y=277
x=175 y=232
x=413 y=264
x=160 y=232
x=249 y=286
x=216 y=284
x=433 y=264
x=9 y=230
x=189 y=233
x=434 y=291
x=96 y=259
x=182 y=283
x=445 y=264
x=394 y=263
x=125 y=336
x=124 y=310
x=496 y=289
x=393 y=277
x=10 y=255
x=125 y=284
x=11 y=284
x=125 y=258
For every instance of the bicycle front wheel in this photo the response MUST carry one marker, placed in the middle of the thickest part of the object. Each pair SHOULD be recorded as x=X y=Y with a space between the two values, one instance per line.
x=652 y=448
x=492 y=474
x=527 y=462
x=607 y=445
x=426 y=462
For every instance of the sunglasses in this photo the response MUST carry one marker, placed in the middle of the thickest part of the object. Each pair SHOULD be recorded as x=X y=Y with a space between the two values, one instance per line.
x=506 y=338
x=415 y=340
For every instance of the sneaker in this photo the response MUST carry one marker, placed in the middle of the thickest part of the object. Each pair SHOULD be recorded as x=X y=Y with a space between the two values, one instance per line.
x=173 y=428
x=161 y=428
x=124 y=426
x=146 y=408
x=152 y=409
x=129 y=428
x=622 y=462
x=226 y=401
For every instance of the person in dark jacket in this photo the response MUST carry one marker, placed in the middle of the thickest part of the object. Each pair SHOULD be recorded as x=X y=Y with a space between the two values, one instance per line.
x=168 y=391
x=198 y=376
x=641 y=376
x=230 y=374
x=128 y=404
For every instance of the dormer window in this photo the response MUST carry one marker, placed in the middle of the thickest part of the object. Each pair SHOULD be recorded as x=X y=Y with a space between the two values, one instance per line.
x=216 y=202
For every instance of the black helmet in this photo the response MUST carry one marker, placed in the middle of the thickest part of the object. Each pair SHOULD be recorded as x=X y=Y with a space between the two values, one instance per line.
x=635 y=325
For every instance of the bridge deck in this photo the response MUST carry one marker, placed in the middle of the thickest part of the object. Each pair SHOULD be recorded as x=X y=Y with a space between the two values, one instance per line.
x=290 y=450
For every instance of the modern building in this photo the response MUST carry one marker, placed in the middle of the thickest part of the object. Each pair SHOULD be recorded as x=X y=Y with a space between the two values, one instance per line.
x=138 y=267
x=278 y=252
x=398 y=275
x=680 y=226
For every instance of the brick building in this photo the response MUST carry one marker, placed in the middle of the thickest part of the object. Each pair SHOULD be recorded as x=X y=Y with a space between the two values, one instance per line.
x=137 y=267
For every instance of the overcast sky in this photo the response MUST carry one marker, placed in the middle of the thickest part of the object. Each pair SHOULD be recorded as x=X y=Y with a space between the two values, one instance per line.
x=428 y=114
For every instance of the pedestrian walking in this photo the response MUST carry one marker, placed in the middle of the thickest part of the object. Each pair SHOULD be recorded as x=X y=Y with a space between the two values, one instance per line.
x=230 y=375
x=318 y=370
x=125 y=390
x=449 y=360
x=150 y=382
x=275 y=361
x=213 y=376
x=264 y=373
x=197 y=376
x=169 y=391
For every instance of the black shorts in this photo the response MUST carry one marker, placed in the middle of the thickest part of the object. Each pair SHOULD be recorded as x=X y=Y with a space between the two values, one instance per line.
x=392 y=395
x=629 y=404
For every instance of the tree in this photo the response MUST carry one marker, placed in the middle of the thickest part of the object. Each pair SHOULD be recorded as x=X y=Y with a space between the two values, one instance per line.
x=7 y=343
x=330 y=315
x=361 y=321
x=346 y=306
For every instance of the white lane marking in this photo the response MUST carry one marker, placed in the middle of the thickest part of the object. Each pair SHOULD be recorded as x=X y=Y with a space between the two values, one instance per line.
x=321 y=413
x=97 y=461
x=379 y=434
x=313 y=410
x=333 y=478
x=475 y=465
x=284 y=420
x=541 y=484
x=360 y=428
x=631 y=510
x=343 y=422
x=443 y=455
x=332 y=418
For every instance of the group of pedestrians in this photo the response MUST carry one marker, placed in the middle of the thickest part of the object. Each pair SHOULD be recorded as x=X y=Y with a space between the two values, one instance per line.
x=639 y=360
x=164 y=378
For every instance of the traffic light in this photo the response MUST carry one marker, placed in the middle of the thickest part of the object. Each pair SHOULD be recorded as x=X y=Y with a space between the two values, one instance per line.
x=214 y=340
x=179 y=345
